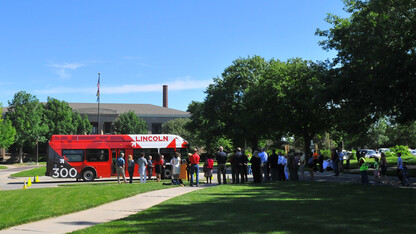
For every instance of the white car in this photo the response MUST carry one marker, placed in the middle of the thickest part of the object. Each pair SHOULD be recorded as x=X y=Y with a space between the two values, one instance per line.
x=413 y=152
x=383 y=150
x=347 y=155
x=369 y=153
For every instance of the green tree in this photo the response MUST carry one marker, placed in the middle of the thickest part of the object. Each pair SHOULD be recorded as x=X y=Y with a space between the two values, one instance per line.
x=227 y=102
x=376 y=57
x=7 y=134
x=83 y=125
x=129 y=123
x=295 y=102
x=178 y=127
x=7 y=131
x=402 y=134
x=61 y=119
x=25 y=112
x=204 y=131
x=376 y=135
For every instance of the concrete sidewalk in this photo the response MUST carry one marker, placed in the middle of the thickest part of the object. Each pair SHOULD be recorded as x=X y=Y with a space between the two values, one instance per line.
x=102 y=214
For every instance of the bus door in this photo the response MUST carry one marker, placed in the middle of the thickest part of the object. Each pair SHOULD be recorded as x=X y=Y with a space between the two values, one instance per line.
x=114 y=155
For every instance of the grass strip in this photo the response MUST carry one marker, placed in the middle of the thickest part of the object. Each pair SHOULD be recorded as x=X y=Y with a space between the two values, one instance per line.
x=3 y=167
x=22 y=206
x=37 y=171
x=277 y=207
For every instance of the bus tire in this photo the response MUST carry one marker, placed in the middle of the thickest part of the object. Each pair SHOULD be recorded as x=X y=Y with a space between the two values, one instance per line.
x=88 y=175
x=168 y=173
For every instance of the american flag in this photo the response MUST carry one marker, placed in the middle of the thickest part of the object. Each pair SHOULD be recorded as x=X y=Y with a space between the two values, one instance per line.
x=98 y=88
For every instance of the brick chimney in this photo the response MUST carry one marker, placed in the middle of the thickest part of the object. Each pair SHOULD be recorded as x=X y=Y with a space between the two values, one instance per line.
x=165 y=96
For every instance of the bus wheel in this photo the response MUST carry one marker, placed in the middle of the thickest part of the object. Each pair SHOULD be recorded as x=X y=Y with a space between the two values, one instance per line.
x=88 y=175
x=168 y=174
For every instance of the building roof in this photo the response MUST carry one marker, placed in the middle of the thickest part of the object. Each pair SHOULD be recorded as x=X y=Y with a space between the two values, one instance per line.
x=142 y=110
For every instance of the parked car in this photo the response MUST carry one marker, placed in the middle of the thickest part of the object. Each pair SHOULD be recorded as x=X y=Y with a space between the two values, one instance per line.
x=347 y=155
x=383 y=150
x=369 y=153
x=413 y=152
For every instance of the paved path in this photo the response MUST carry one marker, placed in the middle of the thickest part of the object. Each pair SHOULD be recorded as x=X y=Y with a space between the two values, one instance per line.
x=8 y=183
x=102 y=214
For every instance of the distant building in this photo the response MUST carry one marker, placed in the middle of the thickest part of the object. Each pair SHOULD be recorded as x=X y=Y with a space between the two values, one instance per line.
x=154 y=115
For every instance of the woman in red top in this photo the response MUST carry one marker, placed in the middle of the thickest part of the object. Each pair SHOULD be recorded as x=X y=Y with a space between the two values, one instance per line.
x=158 y=167
x=208 y=168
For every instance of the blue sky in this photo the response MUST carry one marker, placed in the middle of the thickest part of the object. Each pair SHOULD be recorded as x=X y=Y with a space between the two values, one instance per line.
x=56 y=48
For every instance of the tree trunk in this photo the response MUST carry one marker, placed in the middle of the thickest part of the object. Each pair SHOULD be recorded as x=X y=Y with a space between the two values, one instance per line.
x=254 y=143
x=20 y=154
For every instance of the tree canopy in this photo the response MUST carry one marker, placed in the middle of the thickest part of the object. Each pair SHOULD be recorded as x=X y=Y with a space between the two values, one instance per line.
x=25 y=112
x=228 y=109
x=129 y=123
x=376 y=57
x=295 y=102
x=257 y=99
x=61 y=119
x=7 y=131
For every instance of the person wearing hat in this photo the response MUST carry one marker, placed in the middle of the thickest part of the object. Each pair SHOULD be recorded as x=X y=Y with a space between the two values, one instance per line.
x=120 y=163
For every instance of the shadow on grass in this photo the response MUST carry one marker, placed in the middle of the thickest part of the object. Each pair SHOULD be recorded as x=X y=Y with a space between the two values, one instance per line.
x=274 y=207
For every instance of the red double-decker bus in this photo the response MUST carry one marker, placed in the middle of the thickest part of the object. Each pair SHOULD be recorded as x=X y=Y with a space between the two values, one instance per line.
x=89 y=157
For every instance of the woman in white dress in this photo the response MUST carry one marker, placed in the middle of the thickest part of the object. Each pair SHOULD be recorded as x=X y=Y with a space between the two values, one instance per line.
x=176 y=166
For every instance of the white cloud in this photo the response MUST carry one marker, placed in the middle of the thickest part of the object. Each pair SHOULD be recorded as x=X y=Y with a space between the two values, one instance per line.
x=71 y=66
x=62 y=69
x=62 y=90
x=185 y=83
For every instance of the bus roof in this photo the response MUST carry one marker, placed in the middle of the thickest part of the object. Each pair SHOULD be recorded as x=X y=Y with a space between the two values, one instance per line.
x=136 y=141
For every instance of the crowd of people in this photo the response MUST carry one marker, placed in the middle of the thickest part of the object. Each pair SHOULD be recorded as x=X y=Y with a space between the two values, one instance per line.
x=278 y=166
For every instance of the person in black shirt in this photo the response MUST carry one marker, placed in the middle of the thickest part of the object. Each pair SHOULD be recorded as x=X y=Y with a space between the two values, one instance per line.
x=236 y=165
x=150 y=167
x=321 y=161
x=221 y=168
x=273 y=163
x=244 y=168
x=255 y=167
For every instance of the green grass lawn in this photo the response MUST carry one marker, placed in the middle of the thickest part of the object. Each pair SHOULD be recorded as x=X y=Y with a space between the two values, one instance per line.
x=277 y=207
x=22 y=206
x=37 y=171
x=3 y=167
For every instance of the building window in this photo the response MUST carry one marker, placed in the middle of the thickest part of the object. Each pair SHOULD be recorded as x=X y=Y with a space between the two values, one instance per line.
x=94 y=129
x=107 y=127
x=156 y=128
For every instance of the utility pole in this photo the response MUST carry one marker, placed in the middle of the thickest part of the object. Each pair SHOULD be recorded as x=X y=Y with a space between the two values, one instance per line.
x=98 y=100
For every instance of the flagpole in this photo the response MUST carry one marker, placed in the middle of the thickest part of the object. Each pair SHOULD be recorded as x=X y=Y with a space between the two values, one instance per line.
x=98 y=99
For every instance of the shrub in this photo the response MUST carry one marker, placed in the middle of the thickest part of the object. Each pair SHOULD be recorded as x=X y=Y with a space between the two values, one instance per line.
x=326 y=154
x=404 y=150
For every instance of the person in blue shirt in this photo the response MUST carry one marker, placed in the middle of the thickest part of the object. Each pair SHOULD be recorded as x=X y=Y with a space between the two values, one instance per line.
x=281 y=167
x=120 y=163
x=341 y=161
x=264 y=165
x=399 y=167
